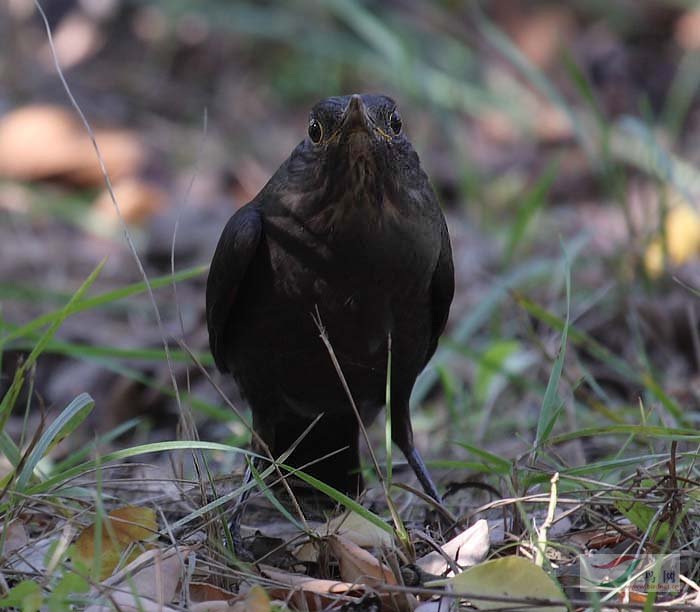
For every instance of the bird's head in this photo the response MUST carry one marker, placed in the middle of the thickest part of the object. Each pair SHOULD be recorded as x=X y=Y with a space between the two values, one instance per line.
x=355 y=146
x=360 y=123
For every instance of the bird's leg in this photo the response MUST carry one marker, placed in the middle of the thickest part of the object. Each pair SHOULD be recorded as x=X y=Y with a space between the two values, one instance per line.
x=402 y=434
x=239 y=548
x=416 y=462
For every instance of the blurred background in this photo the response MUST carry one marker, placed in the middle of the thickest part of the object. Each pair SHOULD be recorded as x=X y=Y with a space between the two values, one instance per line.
x=562 y=139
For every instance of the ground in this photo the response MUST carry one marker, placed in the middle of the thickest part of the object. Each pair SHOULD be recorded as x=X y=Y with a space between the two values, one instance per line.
x=562 y=141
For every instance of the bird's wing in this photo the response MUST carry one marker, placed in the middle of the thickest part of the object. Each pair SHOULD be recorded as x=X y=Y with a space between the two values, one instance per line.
x=237 y=246
x=442 y=290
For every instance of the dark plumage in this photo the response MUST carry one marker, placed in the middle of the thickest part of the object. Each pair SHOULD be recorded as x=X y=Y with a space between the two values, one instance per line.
x=349 y=228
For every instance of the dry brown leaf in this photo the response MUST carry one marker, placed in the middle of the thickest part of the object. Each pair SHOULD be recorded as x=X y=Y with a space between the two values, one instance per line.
x=125 y=602
x=311 y=593
x=255 y=600
x=41 y=142
x=308 y=552
x=357 y=565
x=15 y=537
x=35 y=142
x=138 y=201
x=121 y=528
x=541 y=33
x=203 y=592
x=141 y=570
x=121 y=150
x=466 y=549
x=359 y=530
x=76 y=39
x=147 y=583
x=219 y=606
x=597 y=538
x=439 y=605
x=687 y=31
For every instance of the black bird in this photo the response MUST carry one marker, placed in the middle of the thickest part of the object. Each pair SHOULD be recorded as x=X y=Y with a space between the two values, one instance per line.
x=347 y=230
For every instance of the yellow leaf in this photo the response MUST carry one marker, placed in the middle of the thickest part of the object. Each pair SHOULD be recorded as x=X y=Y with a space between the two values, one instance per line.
x=682 y=235
x=121 y=528
x=506 y=578
x=133 y=523
x=257 y=600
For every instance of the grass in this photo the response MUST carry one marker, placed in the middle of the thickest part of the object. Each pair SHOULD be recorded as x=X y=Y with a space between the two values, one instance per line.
x=522 y=364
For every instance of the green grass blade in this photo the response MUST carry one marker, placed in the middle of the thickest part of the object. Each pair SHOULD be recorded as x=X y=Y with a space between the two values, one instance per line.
x=342 y=499
x=600 y=352
x=85 y=351
x=56 y=321
x=683 y=90
x=397 y=63
x=76 y=457
x=267 y=492
x=493 y=462
x=66 y=422
x=634 y=143
x=551 y=403
x=639 y=431
x=9 y=448
x=534 y=201
x=101 y=300
x=144 y=449
x=475 y=319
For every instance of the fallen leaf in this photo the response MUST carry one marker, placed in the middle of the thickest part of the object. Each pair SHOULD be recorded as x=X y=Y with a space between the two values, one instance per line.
x=687 y=30
x=434 y=606
x=604 y=537
x=466 y=549
x=218 y=606
x=541 y=32
x=308 y=552
x=40 y=142
x=309 y=593
x=203 y=592
x=508 y=577
x=257 y=600
x=15 y=537
x=125 y=602
x=121 y=150
x=148 y=583
x=120 y=528
x=305 y=592
x=76 y=39
x=359 y=530
x=138 y=201
x=31 y=555
x=682 y=236
x=357 y=565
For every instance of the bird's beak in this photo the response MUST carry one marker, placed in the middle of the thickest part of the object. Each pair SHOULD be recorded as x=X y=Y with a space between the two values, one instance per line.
x=355 y=116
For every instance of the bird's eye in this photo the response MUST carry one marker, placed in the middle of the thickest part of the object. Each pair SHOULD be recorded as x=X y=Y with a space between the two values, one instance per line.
x=315 y=131
x=395 y=122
